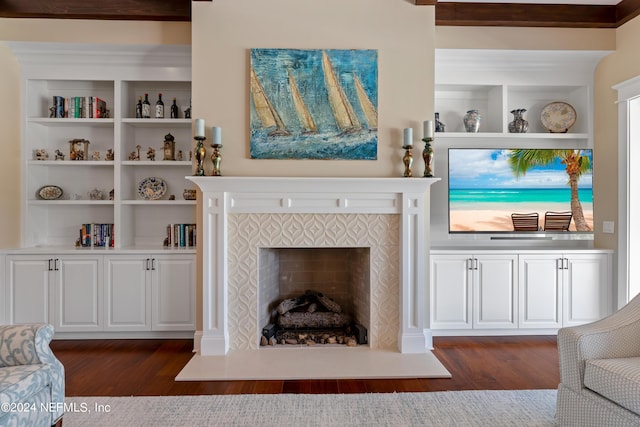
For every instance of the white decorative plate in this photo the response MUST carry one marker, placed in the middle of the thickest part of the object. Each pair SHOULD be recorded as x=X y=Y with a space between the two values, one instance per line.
x=558 y=117
x=152 y=188
x=49 y=192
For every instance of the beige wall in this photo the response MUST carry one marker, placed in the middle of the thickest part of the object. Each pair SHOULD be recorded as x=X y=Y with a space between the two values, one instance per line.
x=54 y=30
x=622 y=65
x=225 y=30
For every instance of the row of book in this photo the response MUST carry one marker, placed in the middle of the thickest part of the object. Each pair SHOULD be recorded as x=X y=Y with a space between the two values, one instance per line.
x=181 y=235
x=96 y=236
x=79 y=107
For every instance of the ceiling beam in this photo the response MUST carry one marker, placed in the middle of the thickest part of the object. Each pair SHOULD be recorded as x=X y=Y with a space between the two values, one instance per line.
x=140 y=10
x=447 y=13
x=533 y=15
x=529 y=15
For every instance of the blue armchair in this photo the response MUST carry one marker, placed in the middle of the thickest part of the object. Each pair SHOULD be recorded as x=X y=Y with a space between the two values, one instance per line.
x=31 y=377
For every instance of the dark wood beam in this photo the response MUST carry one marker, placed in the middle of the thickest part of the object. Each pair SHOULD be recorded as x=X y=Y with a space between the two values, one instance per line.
x=525 y=15
x=142 y=10
x=533 y=15
x=626 y=10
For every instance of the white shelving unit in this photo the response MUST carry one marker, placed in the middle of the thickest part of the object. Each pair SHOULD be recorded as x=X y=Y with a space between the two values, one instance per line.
x=165 y=278
x=495 y=82
x=475 y=286
x=119 y=76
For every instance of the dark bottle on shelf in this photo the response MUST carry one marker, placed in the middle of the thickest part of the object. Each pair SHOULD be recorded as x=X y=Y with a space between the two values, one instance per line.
x=159 y=107
x=139 y=108
x=174 y=109
x=146 y=107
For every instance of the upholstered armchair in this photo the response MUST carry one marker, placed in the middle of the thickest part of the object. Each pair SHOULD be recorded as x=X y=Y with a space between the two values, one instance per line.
x=600 y=371
x=31 y=377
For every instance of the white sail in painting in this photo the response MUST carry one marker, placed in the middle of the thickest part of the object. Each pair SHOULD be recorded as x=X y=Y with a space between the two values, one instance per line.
x=342 y=109
x=304 y=116
x=268 y=115
x=370 y=113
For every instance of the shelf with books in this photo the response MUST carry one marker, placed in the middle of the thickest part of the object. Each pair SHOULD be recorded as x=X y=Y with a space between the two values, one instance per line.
x=93 y=101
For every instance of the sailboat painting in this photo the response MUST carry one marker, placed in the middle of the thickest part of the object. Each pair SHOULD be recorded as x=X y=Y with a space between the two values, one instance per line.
x=314 y=104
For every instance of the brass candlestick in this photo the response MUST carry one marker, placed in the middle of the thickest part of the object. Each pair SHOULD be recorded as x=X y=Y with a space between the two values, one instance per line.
x=427 y=156
x=200 y=153
x=216 y=158
x=407 y=159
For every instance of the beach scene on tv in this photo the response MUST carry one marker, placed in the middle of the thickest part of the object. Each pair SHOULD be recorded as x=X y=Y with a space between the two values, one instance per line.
x=520 y=190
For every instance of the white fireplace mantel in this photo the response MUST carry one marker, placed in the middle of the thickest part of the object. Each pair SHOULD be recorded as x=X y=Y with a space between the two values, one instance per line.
x=406 y=197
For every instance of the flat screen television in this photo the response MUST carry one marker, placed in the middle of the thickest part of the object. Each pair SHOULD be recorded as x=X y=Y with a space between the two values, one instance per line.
x=487 y=186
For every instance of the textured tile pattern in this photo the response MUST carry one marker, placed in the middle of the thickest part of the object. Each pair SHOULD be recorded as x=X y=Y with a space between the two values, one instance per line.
x=247 y=233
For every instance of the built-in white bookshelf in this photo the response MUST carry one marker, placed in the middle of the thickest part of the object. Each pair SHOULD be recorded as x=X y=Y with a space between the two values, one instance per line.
x=118 y=75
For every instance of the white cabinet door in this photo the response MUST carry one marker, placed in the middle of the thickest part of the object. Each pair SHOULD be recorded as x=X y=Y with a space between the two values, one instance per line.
x=495 y=291
x=450 y=292
x=173 y=292
x=28 y=283
x=127 y=293
x=585 y=288
x=540 y=289
x=77 y=294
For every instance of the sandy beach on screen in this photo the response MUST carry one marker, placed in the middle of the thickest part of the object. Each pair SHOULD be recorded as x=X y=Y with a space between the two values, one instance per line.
x=473 y=220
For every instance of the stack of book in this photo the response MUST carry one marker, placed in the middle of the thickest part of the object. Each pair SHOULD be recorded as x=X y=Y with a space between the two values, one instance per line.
x=79 y=107
x=96 y=236
x=181 y=235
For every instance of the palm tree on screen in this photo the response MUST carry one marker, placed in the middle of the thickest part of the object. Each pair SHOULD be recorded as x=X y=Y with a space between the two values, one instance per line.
x=575 y=163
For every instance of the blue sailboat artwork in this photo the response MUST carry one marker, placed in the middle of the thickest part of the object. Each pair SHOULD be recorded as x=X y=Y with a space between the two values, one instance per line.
x=314 y=104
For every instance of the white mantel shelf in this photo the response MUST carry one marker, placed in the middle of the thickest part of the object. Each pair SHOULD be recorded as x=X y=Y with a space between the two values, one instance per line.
x=406 y=197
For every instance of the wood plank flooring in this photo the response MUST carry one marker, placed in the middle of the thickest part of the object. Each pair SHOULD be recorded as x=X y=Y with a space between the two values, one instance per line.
x=148 y=368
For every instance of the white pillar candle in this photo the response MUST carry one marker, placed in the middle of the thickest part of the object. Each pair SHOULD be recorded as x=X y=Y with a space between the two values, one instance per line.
x=200 y=127
x=428 y=129
x=216 y=131
x=408 y=136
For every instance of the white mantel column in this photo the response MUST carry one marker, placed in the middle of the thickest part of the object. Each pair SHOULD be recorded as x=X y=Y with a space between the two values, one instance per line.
x=412 y=337
x=215 y=327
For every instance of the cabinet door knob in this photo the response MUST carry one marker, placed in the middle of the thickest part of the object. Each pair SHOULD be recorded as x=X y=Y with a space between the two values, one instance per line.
x=147 y=265
x=55 y=264
x=153 y=264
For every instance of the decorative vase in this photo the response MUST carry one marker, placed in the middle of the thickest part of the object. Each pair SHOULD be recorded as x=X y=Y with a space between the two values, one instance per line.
x=519 y=124
x=439 y=125
x=472 y=121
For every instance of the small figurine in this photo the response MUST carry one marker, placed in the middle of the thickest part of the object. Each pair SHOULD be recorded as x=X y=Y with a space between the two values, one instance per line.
x=95 y=155
x=109 y=154
x=96 y=194
x=180 y=155
x=132 y=156
x=52 y=112
x=187 y=113
x=78 y=149
x=172 y=197
x=151 y=154
x=59 y=155
x=41 y=154
x=190 y=155
x=112 y=194
x=169 y=147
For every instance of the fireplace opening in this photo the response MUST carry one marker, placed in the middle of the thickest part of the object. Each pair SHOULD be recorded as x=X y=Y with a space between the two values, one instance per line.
x=312 y=296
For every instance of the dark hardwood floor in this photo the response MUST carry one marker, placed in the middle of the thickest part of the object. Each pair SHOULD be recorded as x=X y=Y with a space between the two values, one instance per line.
x=148 y=368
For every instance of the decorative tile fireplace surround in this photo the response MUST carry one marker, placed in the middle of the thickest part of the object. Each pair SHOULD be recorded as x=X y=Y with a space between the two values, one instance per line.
x=241 y=215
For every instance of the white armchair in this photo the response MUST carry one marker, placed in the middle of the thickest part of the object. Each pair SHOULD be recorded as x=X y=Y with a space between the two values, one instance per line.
x=600 y=371
x=31 y=377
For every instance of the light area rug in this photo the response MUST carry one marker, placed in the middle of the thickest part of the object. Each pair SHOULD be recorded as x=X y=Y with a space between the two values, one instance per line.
x=290 y=363
x=451 y=408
